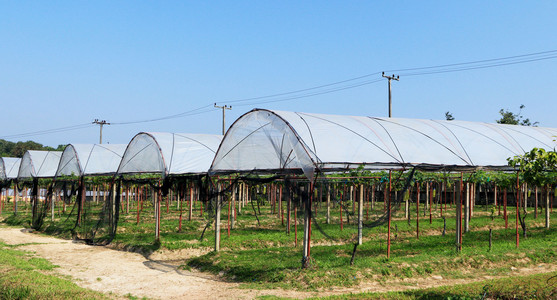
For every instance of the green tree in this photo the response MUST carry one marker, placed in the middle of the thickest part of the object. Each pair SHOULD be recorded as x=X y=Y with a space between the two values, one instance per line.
x=11 y=149
x=508 y=117
x=538 y=167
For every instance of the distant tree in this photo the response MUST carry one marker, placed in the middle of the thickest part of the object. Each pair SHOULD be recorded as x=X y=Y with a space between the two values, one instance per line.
x=11 y=149
x=21 y=147
x=449 y=116
x=508 y=117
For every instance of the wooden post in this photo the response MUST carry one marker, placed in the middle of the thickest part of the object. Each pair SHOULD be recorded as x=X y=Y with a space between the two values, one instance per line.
x=234 y=189
x=444 y=196
x=430 y=203
x=190 y=203
x=517 y=204
x=372 y=197
x=127 y=199
x=1 y=200
x=228 y=215
x=138 y=200
x=52 y=204
x=288 y=208
x=459 y=215
x=497 y=205
x=158 y=214
x=547 y=187
x=406 y=207
x=426 y=202
x=280 y=206
x=340 y=207
x=16 y=199
x=505 y=216
x=467 y=208
x=168 y=199
x=295 y=227
x=217 y=221
x=81 y=202
x=361 y=215
x=352 y=200
x=389 y=219
x=307 y=227
x=328 y=204
x=417 y=210
x=536 y=203
x=179 y=197
x=525 y=198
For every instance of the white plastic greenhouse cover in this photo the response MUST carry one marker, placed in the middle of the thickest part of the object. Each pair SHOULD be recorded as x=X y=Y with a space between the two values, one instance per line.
x=9 y=166
x=90 y=159
x=169 y=153
x=39 y=164
x=279 y=141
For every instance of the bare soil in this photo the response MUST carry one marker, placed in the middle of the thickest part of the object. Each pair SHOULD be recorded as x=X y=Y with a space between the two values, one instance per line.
x=121 y=273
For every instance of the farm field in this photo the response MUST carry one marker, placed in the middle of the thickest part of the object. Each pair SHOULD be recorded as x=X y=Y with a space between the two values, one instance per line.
x=259 y=254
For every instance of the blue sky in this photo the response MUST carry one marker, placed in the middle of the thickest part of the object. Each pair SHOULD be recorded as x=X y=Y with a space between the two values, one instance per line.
x=64 y=63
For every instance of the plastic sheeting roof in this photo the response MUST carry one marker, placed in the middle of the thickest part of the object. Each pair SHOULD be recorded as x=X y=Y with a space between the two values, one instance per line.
x=169 y=153
x=9 y=166
x=90 y=159
x=266 y=140
x=39 y=164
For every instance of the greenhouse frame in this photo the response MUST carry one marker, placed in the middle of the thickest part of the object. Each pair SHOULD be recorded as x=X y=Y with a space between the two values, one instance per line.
x=39 y=164
x=90 y=159
x=169 y=154
x=9 y=167
x=281 y=143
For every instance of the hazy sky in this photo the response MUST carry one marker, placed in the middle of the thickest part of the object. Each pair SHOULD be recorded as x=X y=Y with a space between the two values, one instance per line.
x=65 y=63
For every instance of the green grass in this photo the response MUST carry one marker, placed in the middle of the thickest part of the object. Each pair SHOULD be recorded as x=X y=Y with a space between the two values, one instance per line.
x=23 y=276
x=539 y=286
x=262 y=255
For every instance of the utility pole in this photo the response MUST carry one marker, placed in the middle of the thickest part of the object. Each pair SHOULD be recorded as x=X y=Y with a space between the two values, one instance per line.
x=225 y=107
x=392 y=77
x=101 y=123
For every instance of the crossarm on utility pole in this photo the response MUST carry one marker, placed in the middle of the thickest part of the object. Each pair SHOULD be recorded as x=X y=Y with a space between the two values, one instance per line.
x=101 y=123
x=225 y=107
x=392 y=77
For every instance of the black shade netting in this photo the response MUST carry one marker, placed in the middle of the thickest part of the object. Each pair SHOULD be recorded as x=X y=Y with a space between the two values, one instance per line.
x=97 y=214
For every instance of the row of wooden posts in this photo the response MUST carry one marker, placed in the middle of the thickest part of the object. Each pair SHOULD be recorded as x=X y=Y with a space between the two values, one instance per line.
x=465 y=195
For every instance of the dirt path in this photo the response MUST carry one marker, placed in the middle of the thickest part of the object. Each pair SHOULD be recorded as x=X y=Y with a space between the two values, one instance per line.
x=122 y=273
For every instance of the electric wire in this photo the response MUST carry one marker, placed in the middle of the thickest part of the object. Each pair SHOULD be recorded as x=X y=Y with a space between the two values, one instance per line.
x=48 y=131
x=328 y=88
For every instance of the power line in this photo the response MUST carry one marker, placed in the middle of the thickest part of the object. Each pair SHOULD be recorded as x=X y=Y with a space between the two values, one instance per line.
x=47 y=131
x=331 y=88
x=337 y=86
x=304 y=90
x=480 y=64
x=183 y=114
